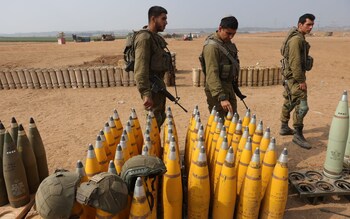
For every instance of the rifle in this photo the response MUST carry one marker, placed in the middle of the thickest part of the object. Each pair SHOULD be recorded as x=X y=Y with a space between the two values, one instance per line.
x=239 y=93
x=285 y=85
x=157 y=86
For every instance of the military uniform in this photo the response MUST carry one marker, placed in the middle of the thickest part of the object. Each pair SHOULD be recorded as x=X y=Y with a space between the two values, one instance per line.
x=151 y=59
x=220 y=73
x=295 y=63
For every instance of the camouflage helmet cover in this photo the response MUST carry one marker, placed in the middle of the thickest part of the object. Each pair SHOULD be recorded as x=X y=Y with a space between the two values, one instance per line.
x=105 y=191
x=56 y=194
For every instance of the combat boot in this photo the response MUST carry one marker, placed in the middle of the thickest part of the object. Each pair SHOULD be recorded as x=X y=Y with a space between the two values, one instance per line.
x=299 y=138
x=285 y=130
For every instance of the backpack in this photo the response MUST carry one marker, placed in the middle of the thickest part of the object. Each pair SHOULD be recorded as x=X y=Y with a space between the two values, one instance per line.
x=129 y=50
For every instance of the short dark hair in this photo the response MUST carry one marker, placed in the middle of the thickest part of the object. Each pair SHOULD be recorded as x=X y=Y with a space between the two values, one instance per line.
x=156 y=11
x=303 y=18
x=229 y=22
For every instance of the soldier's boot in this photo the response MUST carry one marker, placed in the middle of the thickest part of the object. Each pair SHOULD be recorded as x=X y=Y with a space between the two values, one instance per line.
x=285 y=130
x=299 y=138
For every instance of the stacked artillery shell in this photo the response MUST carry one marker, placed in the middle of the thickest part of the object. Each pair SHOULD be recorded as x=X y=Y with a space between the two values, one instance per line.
x=126 y=153
x=28 y=78
x=3 y=197
x=215 y=174
x=249 y=199
x=241 y=145
x=231 y=128
x=41 y=78
x=66 y=78
x=138 y=131
x=118 y=76
x=199 y=188
x=105 y=145
x=16 y=79
x=246 y=119
x=131 y=138
x=265 y=141
x=195 y=77
x=101 y=155
x=92 y=166
x=3 y=80
x=172 y=186
x=275 y=199
x=9 y=79
x=78 y=209
x=35 y=78
x=79 y=77
x=14 y=174
x=91 y=74
x=118 y=123
x=22 y=78
x=98 y=77
x=72 y=78
x=104 y=77
x=237 y=135
x=268 y=164
x=252 y=125
x=53 y=78
x=188 y=148
x=210 y=120
x=28 y=157
x=258 y=134
x=225 y=190
x=85 y=77
x=139 y=205
x=110 y=140
x=14 y=130
x=110 y=73
x=338 y=135
x=243 y=164
x=47 y=78
x=39 y=150
x=88 y=212
x=119 y=159
x=60 y=79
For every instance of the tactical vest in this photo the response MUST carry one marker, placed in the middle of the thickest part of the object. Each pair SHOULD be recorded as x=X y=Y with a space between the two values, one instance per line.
x=306 y=61
x=224 y=71
x=161 y=60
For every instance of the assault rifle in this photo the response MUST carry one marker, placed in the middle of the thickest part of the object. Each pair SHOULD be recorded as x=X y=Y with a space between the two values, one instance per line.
x=158 y=86
x=239 y=93
x=285 y=85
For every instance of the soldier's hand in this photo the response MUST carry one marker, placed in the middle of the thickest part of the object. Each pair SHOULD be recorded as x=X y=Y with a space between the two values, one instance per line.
x=303 y=86
x=226 y=105
x=147 y=103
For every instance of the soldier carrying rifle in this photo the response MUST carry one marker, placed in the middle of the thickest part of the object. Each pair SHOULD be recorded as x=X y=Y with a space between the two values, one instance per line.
x=296 y=61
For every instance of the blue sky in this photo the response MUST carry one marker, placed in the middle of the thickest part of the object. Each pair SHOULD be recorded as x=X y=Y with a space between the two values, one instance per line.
x=23 y=16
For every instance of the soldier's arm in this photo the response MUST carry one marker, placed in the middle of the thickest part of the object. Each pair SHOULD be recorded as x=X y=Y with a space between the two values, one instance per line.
x=142 y=63
x=295 y=48
x=212 y=65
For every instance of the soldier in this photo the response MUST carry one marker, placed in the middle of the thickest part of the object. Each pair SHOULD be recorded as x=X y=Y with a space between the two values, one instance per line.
x=151 y=59
x=221 y=66
x=296 y=61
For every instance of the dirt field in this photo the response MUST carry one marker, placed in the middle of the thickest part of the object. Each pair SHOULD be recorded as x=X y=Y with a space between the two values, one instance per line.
x=69 y=119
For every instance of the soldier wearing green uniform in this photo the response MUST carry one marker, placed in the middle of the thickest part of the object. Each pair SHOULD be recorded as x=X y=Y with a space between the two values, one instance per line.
x=296 y=61
x=151 y=59
x=221 y=67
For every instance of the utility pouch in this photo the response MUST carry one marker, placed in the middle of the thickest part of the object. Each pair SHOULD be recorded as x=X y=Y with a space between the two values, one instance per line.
x=225 y=71
x=283 y=64
x=309 y=63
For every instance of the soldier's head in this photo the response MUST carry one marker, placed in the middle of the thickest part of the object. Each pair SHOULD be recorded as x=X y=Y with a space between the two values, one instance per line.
x=157 y=18
x=306 y=23
x=228 y=28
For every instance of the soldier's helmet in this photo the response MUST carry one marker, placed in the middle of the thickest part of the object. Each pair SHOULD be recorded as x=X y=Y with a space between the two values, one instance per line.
x=105 y=191
x=56 y=194
x=141 y=166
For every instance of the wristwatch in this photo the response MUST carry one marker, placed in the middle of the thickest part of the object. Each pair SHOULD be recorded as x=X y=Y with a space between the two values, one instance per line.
x=222 y=97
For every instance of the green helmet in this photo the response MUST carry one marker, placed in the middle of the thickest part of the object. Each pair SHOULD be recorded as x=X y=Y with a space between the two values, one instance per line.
x=105 y=191
x=56 y=194
x=141 y=165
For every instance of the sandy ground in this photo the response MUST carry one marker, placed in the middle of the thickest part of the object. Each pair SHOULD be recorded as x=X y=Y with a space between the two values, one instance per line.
x=69 y=119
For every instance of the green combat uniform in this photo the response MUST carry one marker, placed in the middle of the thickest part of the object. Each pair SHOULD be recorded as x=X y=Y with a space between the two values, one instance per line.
x=296 y=61
x=151 y=59
x=220 y=73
